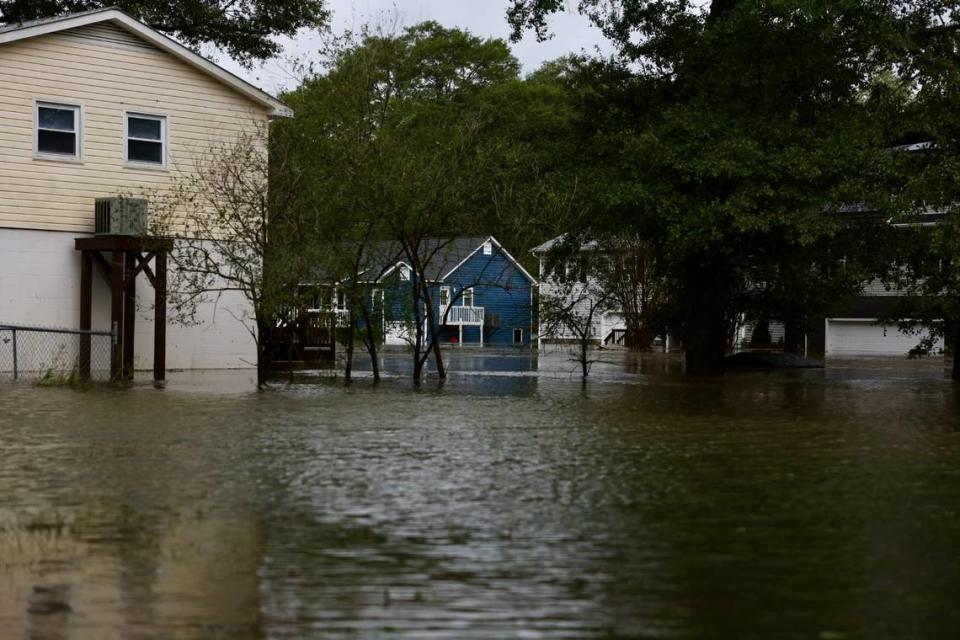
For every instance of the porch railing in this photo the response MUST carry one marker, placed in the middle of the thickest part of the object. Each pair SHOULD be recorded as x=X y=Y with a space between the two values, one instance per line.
x=342 y=315
x=465 y=315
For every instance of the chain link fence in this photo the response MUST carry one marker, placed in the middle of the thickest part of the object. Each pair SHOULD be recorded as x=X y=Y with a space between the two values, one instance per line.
x=53 y=355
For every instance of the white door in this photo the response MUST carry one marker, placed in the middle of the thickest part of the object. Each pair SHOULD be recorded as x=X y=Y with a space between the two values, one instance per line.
x=444 y=303
x=864 y=338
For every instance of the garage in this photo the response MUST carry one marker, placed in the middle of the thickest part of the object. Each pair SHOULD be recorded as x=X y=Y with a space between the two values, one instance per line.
x=864 y=337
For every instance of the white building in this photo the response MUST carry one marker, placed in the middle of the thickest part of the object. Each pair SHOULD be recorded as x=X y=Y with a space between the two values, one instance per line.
x=603 y=325
x=95 y=105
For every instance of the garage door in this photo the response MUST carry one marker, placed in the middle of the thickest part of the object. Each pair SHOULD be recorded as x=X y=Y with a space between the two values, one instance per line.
x=864 y=338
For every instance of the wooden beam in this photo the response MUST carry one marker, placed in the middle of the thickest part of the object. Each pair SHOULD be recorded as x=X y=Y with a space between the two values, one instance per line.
x=86 y=313
x=147 y=270
x=129 y=315
x=124 y=243
x=116 y=315
x=160 y=319
x=141 y=265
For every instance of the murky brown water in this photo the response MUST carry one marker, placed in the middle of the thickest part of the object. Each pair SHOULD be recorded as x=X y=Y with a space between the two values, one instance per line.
x=789 y=505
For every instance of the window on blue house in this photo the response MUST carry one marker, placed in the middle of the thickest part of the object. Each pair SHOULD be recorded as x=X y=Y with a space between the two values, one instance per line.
x=487 y=248
x=518 y=336
x=467 y=299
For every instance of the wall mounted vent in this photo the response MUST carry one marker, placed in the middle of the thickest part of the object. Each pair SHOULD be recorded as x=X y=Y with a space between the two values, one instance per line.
x=121 y=217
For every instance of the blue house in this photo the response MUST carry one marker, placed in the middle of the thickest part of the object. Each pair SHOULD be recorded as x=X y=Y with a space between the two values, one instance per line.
x=479 y=292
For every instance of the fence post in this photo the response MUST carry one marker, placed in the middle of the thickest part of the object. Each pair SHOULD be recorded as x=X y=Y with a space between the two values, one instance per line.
x=86 y=311
x=15 y=371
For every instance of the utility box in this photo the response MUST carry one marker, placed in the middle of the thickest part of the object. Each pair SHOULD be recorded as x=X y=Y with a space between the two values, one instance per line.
x=121 y=217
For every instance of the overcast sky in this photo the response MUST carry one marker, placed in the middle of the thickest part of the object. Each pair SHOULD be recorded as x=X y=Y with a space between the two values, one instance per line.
x=487 y=18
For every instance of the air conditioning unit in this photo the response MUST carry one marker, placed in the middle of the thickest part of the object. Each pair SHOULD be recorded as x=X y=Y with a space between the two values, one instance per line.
x=121 y=217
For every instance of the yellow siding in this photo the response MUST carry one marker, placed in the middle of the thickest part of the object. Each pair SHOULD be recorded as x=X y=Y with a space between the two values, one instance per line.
x=108 y=72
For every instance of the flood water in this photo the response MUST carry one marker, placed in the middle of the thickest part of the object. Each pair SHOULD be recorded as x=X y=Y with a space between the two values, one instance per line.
x=518 y=504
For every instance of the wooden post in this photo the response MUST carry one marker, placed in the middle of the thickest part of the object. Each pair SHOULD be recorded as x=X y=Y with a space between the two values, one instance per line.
x=116 y=314
x=86 y=312
x=129 y=314
x=160 y=318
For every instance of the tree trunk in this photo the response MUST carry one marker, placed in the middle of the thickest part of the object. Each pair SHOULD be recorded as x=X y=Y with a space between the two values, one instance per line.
x=793 y=336
x=351 y=341
x=417 y=369
x=263 y=343
x=370 y=342
x=956 y=352
x=261 y=366
x=438 y=353
x=585 y=356
x=706 y=289
x=434 y=333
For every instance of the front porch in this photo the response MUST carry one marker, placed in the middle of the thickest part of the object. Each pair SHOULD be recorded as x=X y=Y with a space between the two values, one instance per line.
x=461 y=316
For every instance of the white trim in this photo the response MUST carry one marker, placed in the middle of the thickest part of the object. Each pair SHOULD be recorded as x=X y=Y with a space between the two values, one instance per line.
x=875 y=320
x=164 y=141
x=502 y=250
x=56 y=103
x=443 y=308
x=399 y=265
x=162 y=42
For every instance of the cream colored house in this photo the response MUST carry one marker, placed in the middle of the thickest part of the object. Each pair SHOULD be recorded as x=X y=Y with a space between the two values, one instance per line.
x=94 y=105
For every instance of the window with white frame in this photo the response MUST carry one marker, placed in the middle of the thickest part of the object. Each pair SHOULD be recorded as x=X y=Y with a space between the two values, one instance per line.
x=58 y=130
x=518 y=336
x=487 y=248
x=146 y=139
x=404 y=272
x=467 y=297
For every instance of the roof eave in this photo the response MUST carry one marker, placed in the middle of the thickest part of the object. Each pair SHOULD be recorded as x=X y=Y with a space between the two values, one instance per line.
x=275 y=108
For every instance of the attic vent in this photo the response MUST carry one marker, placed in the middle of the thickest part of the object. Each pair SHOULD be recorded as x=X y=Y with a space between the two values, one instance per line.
x=487 y=248
x=121 y=217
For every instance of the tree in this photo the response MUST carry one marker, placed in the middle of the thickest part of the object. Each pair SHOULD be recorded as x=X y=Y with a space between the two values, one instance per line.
x=928 y=190
x=245 y=29
x=572 y=306
x=392 y=141
x=629 y=271
x=237 y=237
x=749 y=125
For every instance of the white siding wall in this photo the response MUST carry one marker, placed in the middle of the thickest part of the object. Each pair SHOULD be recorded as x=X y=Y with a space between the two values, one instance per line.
x=40 y=285
x=602 y=323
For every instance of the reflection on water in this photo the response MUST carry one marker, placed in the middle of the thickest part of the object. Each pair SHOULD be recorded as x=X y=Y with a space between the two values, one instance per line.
x=813 y=504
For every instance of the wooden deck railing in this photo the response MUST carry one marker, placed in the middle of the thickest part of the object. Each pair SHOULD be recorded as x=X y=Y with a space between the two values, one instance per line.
x=465 y=315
